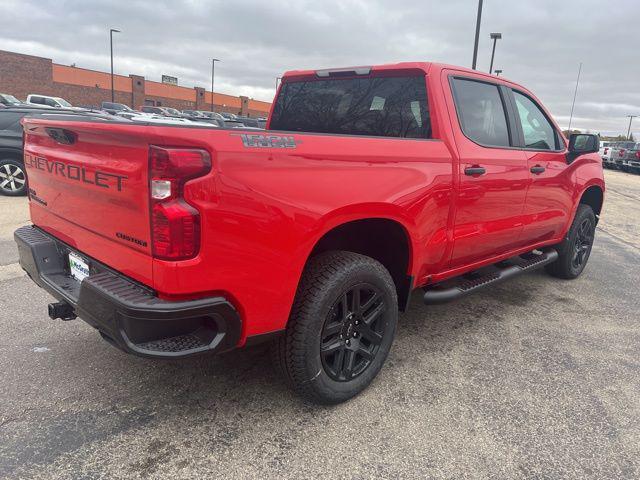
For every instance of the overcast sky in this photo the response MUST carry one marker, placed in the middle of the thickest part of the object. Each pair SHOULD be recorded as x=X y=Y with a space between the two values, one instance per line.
x=543 y=43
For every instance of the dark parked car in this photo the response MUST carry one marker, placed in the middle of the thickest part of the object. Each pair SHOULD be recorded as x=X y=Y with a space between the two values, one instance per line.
x=174 y=112
x=155 y=110
x=13 y=181
x=197 y=116
x=249 y=122
x=113 y=108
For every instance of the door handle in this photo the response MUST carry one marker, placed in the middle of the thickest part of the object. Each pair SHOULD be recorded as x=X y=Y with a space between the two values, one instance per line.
x=475 y=170
x=538 y=169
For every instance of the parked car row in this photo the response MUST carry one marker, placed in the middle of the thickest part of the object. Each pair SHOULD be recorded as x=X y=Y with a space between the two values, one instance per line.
x=623 y=155
x=223 y=119
x=13 y=179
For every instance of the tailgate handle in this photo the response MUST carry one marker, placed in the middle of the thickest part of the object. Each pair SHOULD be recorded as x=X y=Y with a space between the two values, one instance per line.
x=60 y=135
x=475 y=170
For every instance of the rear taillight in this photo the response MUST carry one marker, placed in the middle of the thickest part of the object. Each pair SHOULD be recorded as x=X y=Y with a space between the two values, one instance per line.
x=606 y=149
x=621 y=152
x=638 y=154
x=175 y=225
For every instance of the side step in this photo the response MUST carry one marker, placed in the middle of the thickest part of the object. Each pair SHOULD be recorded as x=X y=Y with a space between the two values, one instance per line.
x=460 y=286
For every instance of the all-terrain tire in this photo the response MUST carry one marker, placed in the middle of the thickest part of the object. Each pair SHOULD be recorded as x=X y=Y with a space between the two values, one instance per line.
x=346 y=302
x=575 y=249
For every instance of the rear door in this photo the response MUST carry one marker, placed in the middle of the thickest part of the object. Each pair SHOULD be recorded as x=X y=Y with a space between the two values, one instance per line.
x=493 y=175
x=549 y=199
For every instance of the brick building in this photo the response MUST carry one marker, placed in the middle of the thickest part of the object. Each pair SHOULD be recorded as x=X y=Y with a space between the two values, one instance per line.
x=21 y=75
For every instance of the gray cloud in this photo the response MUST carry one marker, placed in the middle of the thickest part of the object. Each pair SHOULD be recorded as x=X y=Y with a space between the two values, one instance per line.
x=543 y=42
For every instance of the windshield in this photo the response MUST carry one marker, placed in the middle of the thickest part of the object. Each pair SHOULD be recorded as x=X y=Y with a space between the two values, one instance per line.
x=173 y=111
x=62 y=102
x=11 y=99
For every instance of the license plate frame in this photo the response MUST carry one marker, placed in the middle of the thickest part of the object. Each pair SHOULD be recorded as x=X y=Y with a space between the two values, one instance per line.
x=78 y=267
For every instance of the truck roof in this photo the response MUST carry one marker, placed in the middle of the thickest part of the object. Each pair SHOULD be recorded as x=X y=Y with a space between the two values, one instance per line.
x=426 y=67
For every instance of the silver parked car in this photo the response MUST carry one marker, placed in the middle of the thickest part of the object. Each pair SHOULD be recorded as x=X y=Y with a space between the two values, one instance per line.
x=618 y=152
x=631 y=158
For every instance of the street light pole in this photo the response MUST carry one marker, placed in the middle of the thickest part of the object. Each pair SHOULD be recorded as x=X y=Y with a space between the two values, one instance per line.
x=574 y=97
x=631 y=117
x=111 y=32
x=213 y=75
x=475 y=45
x=495 y=37
x=498 y=72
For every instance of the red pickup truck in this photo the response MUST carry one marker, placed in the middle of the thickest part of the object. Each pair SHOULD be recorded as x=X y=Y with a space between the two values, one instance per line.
x=369 y=183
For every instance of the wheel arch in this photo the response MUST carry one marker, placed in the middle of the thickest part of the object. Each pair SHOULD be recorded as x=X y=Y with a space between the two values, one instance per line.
x=384 y=239
x=12 y=154
x=593 y=196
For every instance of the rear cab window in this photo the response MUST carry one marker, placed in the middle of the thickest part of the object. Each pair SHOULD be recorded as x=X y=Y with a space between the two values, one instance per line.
x=389 y=106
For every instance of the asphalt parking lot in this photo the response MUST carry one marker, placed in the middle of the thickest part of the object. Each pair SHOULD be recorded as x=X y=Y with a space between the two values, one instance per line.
x=536 y=378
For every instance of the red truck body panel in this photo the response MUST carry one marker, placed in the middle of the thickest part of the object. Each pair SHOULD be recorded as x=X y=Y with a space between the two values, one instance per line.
x=264 y=209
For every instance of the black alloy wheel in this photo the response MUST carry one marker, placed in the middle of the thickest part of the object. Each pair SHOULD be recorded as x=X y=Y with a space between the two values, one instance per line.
x=575 y=249
x=353 y=332
x=582 y=244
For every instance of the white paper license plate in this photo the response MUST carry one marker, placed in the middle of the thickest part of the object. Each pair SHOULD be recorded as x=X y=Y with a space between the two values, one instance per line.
x=79 y=268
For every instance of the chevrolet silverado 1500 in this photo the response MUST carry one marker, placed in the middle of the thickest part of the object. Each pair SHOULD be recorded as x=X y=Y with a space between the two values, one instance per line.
x=369 y=183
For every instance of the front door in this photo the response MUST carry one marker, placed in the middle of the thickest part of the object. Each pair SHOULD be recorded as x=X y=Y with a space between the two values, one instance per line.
x=493 y=175
x=550 y=196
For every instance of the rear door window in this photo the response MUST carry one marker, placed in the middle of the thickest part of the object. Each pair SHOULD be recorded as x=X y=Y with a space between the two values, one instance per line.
x=538 y=131
x=481 y=112
x=375 y=106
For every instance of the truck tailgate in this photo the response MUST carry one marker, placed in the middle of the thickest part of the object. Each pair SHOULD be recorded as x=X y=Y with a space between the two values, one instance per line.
x=88 y=186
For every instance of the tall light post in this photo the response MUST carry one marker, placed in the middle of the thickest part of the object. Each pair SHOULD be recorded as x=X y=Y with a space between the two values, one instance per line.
x=498 y=72
x=111 y=32
x=631 y=117
x=574 y=97
x=213 y=76
x=495 y=37
x=475 y=45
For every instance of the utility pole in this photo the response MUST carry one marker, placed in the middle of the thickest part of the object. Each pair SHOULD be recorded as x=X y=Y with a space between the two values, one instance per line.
x=631 y=117
x=495 y=37
x=574 y=97
x=111 y=32
x=213 y=75
x=475 y=45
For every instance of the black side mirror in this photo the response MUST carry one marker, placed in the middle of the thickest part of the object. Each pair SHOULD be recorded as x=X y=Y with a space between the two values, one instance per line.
x=581 y=143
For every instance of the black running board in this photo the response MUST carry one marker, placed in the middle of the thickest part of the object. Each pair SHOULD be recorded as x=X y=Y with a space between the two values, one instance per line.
x=474 y=281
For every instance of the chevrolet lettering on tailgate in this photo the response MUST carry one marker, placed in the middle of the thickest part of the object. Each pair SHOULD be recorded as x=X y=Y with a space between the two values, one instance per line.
x=75 y=172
